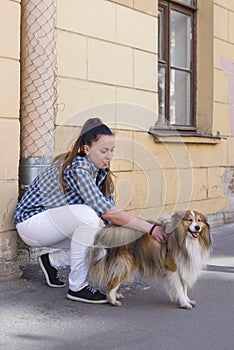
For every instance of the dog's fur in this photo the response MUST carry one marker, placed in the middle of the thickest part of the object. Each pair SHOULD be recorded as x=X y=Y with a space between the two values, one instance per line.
x=119 y=252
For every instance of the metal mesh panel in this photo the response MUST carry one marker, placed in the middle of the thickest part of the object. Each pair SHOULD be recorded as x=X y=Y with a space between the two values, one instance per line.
x=37 y=77
x=37 y=87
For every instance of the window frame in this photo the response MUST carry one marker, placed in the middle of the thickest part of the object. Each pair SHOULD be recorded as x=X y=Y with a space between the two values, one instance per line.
x=165 y=61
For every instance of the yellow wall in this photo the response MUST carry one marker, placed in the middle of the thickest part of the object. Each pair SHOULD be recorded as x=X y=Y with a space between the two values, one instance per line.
x=9 y=132
x=103 y=48
x=107 y=54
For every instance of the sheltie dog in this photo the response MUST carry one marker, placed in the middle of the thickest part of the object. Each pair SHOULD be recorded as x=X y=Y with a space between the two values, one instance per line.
x=119 y=252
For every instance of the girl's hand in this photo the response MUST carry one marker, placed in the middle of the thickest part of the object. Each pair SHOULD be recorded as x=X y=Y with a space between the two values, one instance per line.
x=158 y=234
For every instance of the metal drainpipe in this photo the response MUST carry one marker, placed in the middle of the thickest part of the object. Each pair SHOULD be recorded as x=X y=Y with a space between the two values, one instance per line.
x=37 y=88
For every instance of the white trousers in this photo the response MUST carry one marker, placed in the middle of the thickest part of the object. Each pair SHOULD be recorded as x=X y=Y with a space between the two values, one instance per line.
x=71 y=229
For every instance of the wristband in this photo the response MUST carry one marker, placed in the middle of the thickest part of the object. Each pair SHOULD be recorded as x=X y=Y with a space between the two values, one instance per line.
x=152 y=228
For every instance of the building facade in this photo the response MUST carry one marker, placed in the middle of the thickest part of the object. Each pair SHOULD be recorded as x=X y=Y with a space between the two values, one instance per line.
x=160 y=73
x=10 y=133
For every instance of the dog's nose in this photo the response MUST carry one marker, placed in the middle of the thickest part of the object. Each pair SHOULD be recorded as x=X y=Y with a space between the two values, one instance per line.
x=197 y=227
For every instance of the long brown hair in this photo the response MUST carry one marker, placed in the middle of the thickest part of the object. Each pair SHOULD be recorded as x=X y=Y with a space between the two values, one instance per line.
x=90 y=132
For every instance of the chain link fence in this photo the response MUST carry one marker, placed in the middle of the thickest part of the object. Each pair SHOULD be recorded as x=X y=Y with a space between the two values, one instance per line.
x=38 y=87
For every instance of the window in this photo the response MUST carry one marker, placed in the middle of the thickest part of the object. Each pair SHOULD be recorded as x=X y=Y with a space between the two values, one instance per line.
x=176 y=64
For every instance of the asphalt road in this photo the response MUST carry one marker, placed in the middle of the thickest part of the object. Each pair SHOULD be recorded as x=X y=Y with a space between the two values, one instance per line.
x=34 y=316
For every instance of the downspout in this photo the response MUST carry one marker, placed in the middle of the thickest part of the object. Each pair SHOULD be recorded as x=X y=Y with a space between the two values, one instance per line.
x=37 y=113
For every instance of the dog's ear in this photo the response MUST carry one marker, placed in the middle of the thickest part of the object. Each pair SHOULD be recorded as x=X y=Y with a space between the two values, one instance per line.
x=205 y=220
x=163 y=221
x=205 y=233
x=207 y=224
x=175 y=220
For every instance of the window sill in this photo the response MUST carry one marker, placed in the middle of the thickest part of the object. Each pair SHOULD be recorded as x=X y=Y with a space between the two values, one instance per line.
x=169 y=136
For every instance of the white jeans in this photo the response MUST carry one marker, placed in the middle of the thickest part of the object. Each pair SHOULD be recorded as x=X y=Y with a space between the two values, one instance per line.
x=71 y=229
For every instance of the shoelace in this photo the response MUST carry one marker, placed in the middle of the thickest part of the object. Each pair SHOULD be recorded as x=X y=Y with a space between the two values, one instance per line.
x=92 y=289
x=57 y=273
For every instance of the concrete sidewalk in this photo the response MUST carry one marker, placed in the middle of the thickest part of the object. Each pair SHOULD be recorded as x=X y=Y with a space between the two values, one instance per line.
x=34 y=316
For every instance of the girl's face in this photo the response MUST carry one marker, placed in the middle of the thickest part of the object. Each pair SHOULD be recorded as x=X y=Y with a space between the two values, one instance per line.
x=101 y=151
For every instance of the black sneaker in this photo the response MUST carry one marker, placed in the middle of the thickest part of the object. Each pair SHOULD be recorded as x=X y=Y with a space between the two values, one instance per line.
x=51 y=274
x=88 y=295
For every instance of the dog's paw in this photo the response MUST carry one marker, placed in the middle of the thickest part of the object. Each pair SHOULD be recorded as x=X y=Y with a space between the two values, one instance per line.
x=112 y=298
x=119 y=296
x=115 y=302
x=192 y=302
x=186 y=306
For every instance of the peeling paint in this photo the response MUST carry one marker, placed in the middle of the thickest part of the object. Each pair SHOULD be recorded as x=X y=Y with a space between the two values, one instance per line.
x=228 y=185
x=231 y=184
x=0 y=248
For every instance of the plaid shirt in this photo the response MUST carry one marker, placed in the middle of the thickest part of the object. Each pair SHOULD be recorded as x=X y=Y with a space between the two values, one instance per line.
x=83 y=186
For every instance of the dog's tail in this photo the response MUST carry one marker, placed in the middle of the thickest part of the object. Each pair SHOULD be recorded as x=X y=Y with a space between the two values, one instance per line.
x=96 y=253
x=96 y=261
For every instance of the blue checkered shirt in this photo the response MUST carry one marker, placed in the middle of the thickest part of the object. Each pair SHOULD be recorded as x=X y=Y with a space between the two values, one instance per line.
x=83 y=186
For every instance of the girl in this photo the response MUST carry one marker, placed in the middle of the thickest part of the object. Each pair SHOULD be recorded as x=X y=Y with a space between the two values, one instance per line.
x=63 y=206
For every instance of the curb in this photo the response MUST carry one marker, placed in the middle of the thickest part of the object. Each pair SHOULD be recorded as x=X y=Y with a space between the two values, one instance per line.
x=221 y=218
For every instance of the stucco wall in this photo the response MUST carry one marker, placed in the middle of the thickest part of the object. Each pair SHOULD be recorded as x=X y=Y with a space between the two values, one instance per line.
x=100 y=62
x=9 y=133
x=107 y=54
x=223 y=116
